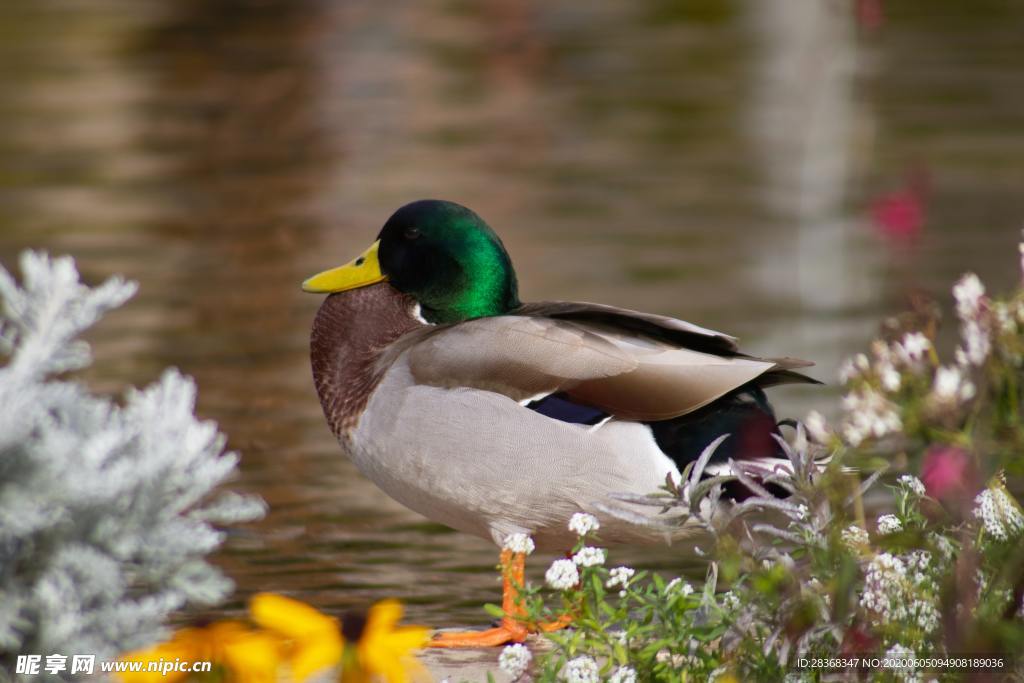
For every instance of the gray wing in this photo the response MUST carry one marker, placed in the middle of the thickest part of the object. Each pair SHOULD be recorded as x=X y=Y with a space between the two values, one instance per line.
x=622 y=372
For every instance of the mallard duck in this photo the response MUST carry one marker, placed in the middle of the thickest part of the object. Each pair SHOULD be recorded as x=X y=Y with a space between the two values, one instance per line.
x=498 y=418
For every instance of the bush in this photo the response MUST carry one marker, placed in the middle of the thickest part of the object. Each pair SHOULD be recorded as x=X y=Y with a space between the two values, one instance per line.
x=105 y=510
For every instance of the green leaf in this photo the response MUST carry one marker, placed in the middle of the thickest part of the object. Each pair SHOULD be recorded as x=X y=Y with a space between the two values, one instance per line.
x=494 y=610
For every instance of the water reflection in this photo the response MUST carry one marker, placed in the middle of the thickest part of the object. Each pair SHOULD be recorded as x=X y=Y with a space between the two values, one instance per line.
x=808 y=125
x=711 y=160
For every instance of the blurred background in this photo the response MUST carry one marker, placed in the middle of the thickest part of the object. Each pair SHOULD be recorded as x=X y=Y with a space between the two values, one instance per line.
x=788 y=171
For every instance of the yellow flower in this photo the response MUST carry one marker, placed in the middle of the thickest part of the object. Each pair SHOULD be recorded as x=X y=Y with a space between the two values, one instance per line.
x=242 y=653
x=293 y=641
x=314 y=641
x=385 y=649
x=379 y=650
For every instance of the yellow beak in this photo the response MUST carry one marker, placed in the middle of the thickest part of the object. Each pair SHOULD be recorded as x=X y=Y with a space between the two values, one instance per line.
x=364 y=270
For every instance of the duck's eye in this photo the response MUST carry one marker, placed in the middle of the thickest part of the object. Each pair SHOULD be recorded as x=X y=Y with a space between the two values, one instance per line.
x=412 y=233
x=360 y=261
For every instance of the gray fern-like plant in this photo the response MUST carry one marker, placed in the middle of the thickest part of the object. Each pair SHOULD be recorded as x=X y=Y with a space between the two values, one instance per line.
x=107 y=510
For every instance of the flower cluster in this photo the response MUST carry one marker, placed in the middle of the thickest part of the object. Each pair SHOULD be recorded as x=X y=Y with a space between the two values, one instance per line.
x=972 y=309
x=855 y=537
x=678 y=584
x=889 y=524
x=582 y=523
x=624 y=674
x=589 y=557
x=562 y=575
x=912 y=484
x=620 y=577
x=951 y=387
x=518 y=543
x=581 y=670
x=899 y=589
x=869 y=414
x=999 y=513
x=515 y=660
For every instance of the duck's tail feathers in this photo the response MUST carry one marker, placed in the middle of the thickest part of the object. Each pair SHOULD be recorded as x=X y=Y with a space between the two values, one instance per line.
x=774 y=378
x=744 y=414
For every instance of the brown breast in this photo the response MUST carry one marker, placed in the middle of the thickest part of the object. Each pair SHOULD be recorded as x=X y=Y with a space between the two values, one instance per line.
x=350 y=333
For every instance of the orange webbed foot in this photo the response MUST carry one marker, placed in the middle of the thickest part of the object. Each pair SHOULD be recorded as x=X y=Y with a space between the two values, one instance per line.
x=512 y=629
x=563 y=621
x=492 y=637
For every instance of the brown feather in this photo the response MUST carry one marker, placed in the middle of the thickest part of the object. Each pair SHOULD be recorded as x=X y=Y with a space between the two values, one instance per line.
x=351 y=332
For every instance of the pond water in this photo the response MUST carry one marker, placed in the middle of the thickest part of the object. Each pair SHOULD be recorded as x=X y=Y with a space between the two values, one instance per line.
x=788 y=172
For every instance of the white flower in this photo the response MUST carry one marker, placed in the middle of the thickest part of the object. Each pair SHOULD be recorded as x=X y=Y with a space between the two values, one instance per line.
x=624 y=674
x=729 y=601
x=619 y=576
x=582 y=523
x=853 y=435
x=976 y=341
x=562 y=575
x=683 y=587
x=925 y=614
x=947 y=382
x=518 y=543
x=890 y=378
x=968 y=292
x=999 y=513
x=944 y=546
x=817 y=427
x=919 y=563
x=889 y=524
x=950 y=386
x=899 y=589
x=847 y=371
x=868 y=413
x=974 y=327
x=580 y=670
x=912 y=484
x=589 y=557
x=514 y=660
x=854 y=536
x=884 y=583
x=914 y=346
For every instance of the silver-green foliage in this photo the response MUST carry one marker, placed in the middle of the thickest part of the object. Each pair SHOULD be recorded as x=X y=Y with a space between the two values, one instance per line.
x=107 y=509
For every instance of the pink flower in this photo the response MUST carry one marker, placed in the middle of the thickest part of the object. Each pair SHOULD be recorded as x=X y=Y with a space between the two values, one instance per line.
x=900 y=215
x=948 y=474
x=869 y=14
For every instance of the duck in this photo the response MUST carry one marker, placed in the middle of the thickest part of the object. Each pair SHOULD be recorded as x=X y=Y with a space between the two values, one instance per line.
x=500 y=418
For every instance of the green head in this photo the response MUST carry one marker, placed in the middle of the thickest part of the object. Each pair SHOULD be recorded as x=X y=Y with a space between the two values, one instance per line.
x=440 y=253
